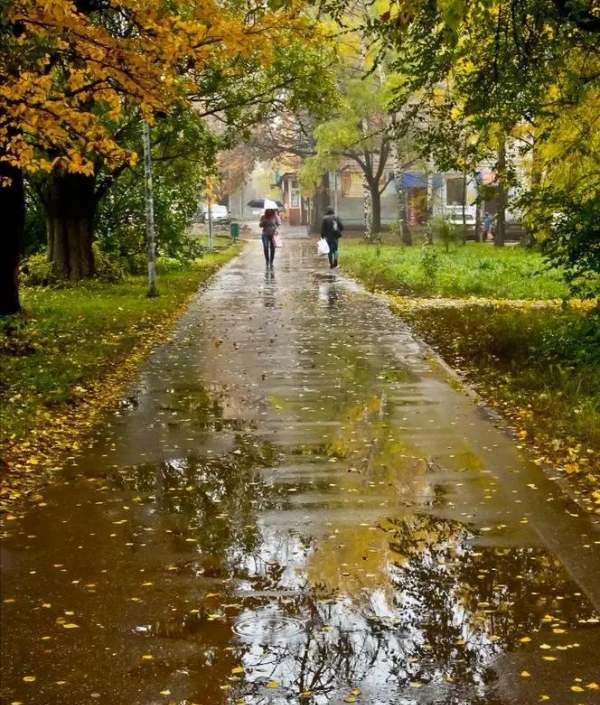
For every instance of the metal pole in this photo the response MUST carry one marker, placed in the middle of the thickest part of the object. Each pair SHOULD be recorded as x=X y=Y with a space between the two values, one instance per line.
x=210 y=226
x=149 y=197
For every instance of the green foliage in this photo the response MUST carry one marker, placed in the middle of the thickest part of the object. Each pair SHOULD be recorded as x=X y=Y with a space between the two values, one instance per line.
x=108 y=269
x=182 y=153
x=524 y=71
x=358 y=123
x=473 y=270
x=34 y=236
x=574 y=241
x=430 y=262
x=36 y=270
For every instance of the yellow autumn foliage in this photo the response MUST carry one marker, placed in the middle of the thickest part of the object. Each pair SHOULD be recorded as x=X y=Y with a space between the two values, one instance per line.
x=66 y=75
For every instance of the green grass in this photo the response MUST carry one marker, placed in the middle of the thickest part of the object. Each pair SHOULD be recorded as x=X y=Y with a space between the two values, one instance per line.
x=473 y=269
x=67 y=339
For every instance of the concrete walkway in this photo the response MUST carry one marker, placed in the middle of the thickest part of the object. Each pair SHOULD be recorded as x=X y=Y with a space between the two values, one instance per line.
x=292 y=505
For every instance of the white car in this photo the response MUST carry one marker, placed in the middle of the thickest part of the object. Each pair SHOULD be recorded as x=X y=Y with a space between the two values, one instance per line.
x=220 y=214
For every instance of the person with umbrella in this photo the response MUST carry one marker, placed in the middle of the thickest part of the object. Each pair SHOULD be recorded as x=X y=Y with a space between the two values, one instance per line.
x=269 y=224
x=331 y=230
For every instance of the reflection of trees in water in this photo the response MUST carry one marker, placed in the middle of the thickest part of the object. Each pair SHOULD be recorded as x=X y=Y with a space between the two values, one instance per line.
x=453 y=610
x=211 y=500
x=339 y=650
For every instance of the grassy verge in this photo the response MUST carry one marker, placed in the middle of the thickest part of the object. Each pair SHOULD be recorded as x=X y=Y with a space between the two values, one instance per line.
x=66 y=357
x=471 y=270
x=537 y=362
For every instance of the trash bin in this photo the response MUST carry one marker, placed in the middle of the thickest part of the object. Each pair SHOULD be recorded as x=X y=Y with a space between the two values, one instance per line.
x=234 y=229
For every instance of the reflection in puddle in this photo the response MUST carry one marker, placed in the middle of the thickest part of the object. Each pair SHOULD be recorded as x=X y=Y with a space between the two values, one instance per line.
x=323 y=523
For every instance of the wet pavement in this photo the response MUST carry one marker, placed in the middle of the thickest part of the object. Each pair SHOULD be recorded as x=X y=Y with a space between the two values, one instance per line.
x=293 y=505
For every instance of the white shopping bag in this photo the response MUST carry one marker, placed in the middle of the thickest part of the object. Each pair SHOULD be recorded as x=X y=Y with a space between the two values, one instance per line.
x=322 y=247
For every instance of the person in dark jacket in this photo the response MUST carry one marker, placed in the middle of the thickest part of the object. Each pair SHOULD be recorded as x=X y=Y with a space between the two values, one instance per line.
x=331 y=229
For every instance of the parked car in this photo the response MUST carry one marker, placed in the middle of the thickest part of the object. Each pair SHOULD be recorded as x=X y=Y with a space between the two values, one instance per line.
x=220 y=214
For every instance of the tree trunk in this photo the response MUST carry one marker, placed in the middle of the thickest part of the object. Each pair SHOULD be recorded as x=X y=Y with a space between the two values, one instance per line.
x=12 y=208
x=402 y=197
x=406 y=230
x=367 y=208
x=429 y=234
x=478 y=228
x=464 y=209
x=149 y=200
x=375 y=208
x=500 y=233
x=70 y=203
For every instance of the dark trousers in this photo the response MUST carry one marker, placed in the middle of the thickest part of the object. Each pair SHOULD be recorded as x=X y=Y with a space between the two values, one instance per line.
x=333 y=251
x=268 y=248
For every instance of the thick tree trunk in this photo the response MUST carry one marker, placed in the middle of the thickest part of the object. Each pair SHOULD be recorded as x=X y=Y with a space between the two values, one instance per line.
x=500 y=233
x=70 y=210
x=12 y=210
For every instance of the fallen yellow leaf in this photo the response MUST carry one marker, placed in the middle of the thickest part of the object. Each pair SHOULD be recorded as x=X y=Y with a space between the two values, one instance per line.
x=272 y=684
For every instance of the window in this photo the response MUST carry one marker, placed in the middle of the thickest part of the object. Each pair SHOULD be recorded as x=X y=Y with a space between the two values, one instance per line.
x=295 y=198
x=454 y=191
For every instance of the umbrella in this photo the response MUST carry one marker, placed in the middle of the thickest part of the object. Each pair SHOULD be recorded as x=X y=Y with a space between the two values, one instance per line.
x=264 y=203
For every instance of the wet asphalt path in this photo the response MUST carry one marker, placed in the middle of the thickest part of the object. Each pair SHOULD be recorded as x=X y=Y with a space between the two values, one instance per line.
x=292 y=505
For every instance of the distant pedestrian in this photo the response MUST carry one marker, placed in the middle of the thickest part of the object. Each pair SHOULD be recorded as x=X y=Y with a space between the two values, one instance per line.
x=331 y=229
x=488 y=226
x=269 y=225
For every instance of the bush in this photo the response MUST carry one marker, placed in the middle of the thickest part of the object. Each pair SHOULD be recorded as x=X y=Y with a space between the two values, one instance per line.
x=430 y=262
x=135 y=263
x=36 y=270
x=108 y=269
x=574 y=244
x=168 y=264
x=190 y=249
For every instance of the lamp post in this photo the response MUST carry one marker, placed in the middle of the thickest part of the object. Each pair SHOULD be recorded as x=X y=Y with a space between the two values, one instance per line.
x=210 y=225
x=149 y=199
x=209 y=199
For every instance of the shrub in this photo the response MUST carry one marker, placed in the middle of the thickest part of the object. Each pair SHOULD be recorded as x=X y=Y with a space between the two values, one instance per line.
x=108 y=269
x=136 y=263
x=36 y=270
x=430 y=262
x=190 y=249
x=168 y=264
